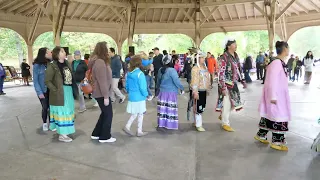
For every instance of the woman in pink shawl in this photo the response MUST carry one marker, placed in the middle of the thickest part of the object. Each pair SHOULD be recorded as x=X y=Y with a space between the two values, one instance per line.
x=275 y=102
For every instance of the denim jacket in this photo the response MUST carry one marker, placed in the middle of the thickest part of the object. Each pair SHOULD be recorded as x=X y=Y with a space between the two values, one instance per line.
x=169 y=81
x=39 y=78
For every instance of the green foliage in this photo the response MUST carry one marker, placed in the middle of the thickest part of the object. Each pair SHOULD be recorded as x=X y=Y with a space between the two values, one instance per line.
x=8 y=41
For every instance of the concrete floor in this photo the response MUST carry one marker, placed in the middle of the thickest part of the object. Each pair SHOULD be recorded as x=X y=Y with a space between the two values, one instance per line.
x=26 y=153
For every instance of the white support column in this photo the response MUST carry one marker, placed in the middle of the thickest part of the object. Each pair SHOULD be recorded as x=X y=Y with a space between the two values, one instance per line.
x=30 y=56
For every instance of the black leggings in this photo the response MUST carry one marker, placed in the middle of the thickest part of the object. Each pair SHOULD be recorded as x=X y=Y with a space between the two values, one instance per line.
x=45 y=107
x=103 y=126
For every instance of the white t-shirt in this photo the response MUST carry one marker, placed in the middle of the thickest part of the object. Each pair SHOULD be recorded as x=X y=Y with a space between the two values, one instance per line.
x=308 y=64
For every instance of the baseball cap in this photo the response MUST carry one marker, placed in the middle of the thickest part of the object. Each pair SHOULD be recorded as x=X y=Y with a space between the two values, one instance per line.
x=156 y=48
x=77 y=53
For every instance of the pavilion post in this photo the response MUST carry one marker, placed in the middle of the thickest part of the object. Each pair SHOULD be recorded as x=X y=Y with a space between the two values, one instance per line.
x=197 y=25
x=132 y=22
x=59 y=14
x=30 y=55
x=271 y=19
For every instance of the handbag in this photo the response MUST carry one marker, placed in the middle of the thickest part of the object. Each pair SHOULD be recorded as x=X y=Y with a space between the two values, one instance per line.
x=87 y=85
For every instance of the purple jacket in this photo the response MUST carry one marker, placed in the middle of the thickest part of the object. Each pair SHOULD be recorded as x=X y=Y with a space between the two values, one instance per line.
x=275 y=88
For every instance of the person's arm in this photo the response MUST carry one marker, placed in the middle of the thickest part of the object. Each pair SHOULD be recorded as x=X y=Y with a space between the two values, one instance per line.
x=194 y=84
x=221 y=73
x=101 y=77
x=274 y=70
x=36 y=80
x=50 y=72
x=143 y=84
x=118 y=64
x=176 y=80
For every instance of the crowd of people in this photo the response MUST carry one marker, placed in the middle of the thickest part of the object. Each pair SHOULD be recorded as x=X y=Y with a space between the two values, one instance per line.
x=60 y=80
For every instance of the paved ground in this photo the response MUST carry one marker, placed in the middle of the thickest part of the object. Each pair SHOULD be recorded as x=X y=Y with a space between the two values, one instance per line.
x=26 y=153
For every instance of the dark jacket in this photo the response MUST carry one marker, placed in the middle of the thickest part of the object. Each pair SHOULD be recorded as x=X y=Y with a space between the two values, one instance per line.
x=157 y=63
x=25 y=69
x=248 y=63
x=80 y=73
x=54 y=82
x=116 y=66
x=289 y=63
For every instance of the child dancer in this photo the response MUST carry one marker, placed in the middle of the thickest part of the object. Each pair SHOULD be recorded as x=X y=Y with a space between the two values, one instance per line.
x=136 y=86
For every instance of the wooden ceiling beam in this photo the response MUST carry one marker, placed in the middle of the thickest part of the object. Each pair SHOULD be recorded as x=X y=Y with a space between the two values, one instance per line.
x=306 y=10
x=100 y=14
x=285 y=9
x=24 y=8
x=153 y=15
x=94 y=12
x=175 y=19
x=10 y=3
x=43 y=6
x=17 y=6
x=84 y=11
x=103 y=2
x=229 y=2
x=161 y=15
x=254 y=12
x=142 y=13
x=316 y=7
x=228 y=12
x=187 y=15
x=169 y=15
x=245 y=10
x=208 y=15
x=235 y=6
x=260 y=10
x=184 y=18
x=118 y=14
x=107 y=15
x=220 y=14
x=76 y=10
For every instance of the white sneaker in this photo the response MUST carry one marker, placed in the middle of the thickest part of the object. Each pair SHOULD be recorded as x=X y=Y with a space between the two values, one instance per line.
x=96 y=104
x=54 y=130
x=45 y=127
x=150 y=98
x=111 y=140
x=64 y=138
x=94 y=137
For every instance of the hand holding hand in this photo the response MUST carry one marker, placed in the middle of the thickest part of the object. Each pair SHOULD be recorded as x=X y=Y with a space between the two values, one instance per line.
x=273 y=101
x=106 y=102
x=41 y=96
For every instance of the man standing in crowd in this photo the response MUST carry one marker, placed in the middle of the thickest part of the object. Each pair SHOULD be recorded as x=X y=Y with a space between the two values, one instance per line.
x=289 y=66
x=79 y=69
x=211 y=63
x=2 y=77
x=116 y=67
x=157 y=63
x=260 y=65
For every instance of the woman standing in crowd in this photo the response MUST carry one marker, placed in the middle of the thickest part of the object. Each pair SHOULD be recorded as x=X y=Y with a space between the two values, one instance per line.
x=176 y=62
x=99 y=65
x=308 y=63
x=200 y=85
x=246 y=68
x=275 y=102
x=229 y=75
x=39 y=69
x=25 y=71
x=169 y=85
x=63 y=92
x=136 y=86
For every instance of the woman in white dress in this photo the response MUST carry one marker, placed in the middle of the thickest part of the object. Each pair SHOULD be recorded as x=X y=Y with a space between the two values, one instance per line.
x=308 y=63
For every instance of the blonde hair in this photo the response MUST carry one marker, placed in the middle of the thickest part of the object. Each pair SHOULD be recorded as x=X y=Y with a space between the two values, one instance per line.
x=143 y=55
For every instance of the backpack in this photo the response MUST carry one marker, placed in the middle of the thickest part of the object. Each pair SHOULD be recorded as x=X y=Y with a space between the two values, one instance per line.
x=88 y=86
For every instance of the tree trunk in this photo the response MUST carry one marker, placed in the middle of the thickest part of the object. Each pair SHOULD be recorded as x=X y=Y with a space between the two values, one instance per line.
x=19 y=47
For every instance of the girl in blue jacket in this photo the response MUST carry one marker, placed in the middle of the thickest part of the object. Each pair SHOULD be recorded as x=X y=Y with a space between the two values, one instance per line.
x=136 y=86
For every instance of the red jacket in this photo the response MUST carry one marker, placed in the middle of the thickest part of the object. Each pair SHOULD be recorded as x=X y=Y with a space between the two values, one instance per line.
x=212 y=65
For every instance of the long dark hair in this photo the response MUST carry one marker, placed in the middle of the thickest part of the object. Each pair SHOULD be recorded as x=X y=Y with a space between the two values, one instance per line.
x=101 y=52
x=307 y=56
x=41 y=57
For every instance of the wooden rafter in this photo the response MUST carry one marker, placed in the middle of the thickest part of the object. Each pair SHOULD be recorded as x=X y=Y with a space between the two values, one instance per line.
x=228 y=12
x=220 y=14
x=245 y=10
x=94 y=12
x=235 y=6
x=285 y=9
x=184 y=18
x=31 y=11
x=118 y=14
x=17 y=6
x=208 y=15
x=34 y=24
x=145 y=16
x=169 y=15
x=142 y=13
x=193 y=14
x=24 y=8
x=76 y=10
x=84 y=11
x=316 y=7
x=254 y=12
x=203 y=13
x=107 y=15
x=175 y=19
x=153 y=13
x=161 y=15
x=187 y=15
x=9 y=3
x=306 y=10
x=43 y=7
x=100 y=14
x=104 y=3
x=264 y=14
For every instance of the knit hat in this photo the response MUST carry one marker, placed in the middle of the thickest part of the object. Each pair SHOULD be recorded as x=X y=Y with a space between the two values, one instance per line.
x=77 y=53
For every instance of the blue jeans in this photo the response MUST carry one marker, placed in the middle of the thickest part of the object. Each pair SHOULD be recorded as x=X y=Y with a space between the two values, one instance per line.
x=149 y=81
x=1 y=84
